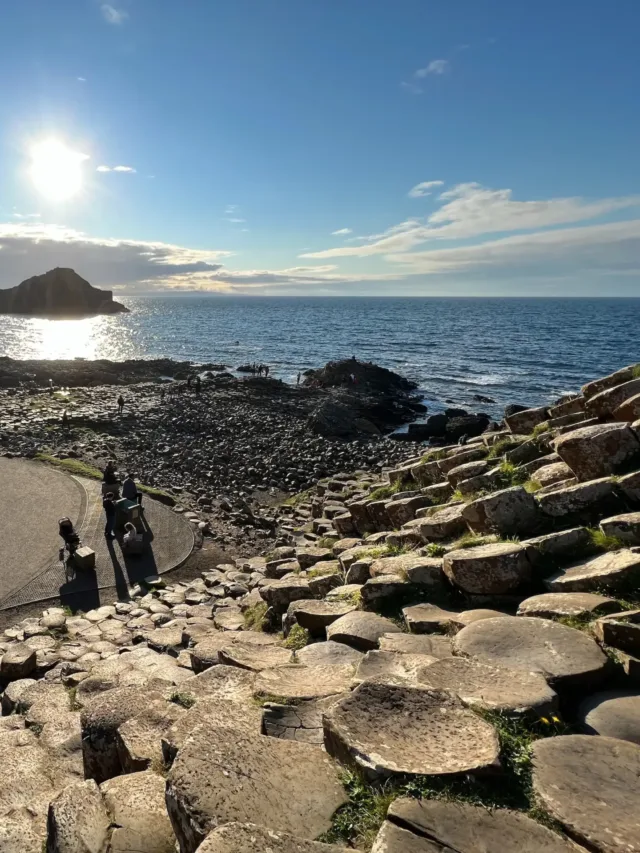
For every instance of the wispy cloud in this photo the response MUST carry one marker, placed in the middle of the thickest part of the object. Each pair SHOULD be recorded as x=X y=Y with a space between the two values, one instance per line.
x=342 y=232
x=128 y=169
x=81 y=79
x=436 y=66
x=113 y=15
x=235 y=219
x=233 y=214
x=471 y=210
x=26 y=216
x=232 y=209
x=423 y=189
x=411 y=87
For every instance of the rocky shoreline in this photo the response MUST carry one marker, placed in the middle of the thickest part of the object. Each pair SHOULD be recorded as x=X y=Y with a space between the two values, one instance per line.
x=440 y=655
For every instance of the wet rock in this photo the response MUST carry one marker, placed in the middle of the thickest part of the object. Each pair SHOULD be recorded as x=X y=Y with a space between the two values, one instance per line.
x=568 y=659
x=591 y=786
x=360 y=630
x=222 y=776
x=388 y=729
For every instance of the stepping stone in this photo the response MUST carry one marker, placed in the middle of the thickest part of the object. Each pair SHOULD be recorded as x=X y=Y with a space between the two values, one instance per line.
x=414 y=567
x=136 y=805
x=78 y=817
x=568 y=659
x=621 y=630
x=249 y=838
x=361 y=630
x=417 y=644
x=308 y=557
x=428 y=618
x=584 y=502
x=220 y=682
x=316 y=616
x=552 y=605
x=611 y=571
x=598 y=451
x=377 y=591
x=329 y=653
x=139 y=740
x=300 y=682
x=215 y=713
x=221 y=776
x=19 y=661
x=436 y=826
x=508 y=512
x=302 y=723
x=625 y=527
x=591 y=785
x=253 y=657
x=495 y=688
x=387 y=729
x=280 y=594
x=385 y=666
x=443 y=524
x=488 y=569
x=614 y=713
x=229 y=619
x=557 y=472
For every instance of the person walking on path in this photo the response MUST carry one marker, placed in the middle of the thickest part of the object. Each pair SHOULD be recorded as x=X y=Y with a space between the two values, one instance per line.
x=130 y=490
x=109 y=507
x=120 y=404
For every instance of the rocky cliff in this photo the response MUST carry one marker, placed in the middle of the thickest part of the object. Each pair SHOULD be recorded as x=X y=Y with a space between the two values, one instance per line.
x=58 y=293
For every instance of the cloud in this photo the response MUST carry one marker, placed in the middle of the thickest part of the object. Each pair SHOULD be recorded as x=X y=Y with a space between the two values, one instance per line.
x=235 y=219
x=232 y=209
x=113 y=15
x=471 y=210
x=81 y=79
x=411 y=87
x=26 y=215
x=27 y=249
x=424 y=188
x=128 y=169
x=436 y=66
x=342 y=232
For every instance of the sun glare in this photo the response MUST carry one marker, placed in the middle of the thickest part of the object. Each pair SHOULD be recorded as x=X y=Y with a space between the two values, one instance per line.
x=56 y=170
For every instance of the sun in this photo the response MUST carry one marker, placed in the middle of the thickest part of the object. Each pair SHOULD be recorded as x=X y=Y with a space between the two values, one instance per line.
x=56 y=170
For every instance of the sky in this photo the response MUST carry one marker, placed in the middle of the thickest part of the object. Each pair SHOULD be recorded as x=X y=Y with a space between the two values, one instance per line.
x=323 y=147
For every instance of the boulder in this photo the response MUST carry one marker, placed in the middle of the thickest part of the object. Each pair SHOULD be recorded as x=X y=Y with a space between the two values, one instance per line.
x=464 y=472
x=524 y=422
x=403 y=510
x=598 y=451
x=614 y=713
x=428 y=618
x=583 y=503
x=78 y=821
x=360 y=630
x=378 y=591
x=629 y=410
x=568 y=659
x=301 y=682
x=494 y=688
x=416 y=568
x=215 y=713
x=551 y=605
x=557 y=472
x=136 y=804
x=329 y=653
x=279 y=594
x=18 y=662
x=301 y=722
x=221 y=776
x=590 y=785
x=509 y=512
x=443 y=523
x=614 y=570
x=390 y=729
x=417 y=644
x=605 y=402
x=547 y=550
x=610 y=381
x=248 y=838
x=316 y=616
x=625 y=527
x=139 y=739
x=488 y=569
x=308 y=557
x=439 y=826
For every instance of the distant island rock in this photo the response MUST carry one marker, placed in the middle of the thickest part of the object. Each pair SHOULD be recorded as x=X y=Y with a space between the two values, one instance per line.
x=58 y=293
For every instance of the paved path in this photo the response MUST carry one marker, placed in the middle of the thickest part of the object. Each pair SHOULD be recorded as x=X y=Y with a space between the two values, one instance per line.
x=30 y=570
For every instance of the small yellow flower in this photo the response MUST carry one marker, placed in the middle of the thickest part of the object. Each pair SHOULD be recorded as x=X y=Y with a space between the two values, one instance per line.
x=555 y=719
x=544 y=720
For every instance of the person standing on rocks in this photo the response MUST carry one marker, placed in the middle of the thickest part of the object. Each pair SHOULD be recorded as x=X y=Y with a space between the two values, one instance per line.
x=65 y=420
x=108 y=504
x=130 y=490
x=266 y=371
x=162 y=395
x=298 y=379
x=120 y=404
x=189 y=378
x=198 y=384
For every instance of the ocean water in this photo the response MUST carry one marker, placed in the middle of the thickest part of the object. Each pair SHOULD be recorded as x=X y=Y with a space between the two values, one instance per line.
x=511 y=350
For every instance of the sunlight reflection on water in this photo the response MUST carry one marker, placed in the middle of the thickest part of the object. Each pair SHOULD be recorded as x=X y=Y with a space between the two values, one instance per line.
x=91 y=338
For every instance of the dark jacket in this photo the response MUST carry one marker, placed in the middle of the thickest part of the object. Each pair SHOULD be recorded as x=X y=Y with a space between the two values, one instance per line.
x=109 y=506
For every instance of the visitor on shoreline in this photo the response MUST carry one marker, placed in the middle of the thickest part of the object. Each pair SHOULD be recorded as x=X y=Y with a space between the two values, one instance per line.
x=110 y=475
x=298 y=379
x=189 y=378
x=65 y=420
x=198 y=384
x=266 y=371
x=120 y=404
x=162 y=395
x=109 y=507
x=130 y=491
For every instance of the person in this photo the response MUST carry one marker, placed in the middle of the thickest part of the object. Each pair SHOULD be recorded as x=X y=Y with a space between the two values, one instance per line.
x=65 y=420
x=51 y=386
x=198 y=384
x=189 y=378
x=120 y=404
x=463 y=440
x=108 y=504
x=130 y=491
x=110 y=475
x=298 y=379
x=162 y=394
x=266 y=371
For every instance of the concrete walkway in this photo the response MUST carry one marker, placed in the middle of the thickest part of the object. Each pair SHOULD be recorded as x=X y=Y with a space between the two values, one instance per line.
x=30 y=570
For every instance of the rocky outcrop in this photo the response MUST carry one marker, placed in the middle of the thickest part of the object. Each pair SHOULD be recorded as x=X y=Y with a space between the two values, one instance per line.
x=58 y=293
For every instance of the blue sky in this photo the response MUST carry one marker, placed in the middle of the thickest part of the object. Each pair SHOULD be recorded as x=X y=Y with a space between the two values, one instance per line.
x=474 y=147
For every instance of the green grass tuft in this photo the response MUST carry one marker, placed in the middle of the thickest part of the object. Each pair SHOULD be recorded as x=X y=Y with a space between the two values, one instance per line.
x=385 y=491
x=434 y=456
x=635 y=373
x=185 y=700
x=72 y=466
x=301 y=497
x=435 y=549
x=511 y=475
x=602 y=542
x=298 y=638
x=500 y=447
x=539 y=429
x=254 y=616
x=532 y=486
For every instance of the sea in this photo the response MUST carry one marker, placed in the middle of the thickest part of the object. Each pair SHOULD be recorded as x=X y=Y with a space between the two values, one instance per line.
x=514 y=350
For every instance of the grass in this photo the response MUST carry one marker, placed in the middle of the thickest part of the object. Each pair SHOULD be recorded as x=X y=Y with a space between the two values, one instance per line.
x=635 y=373
x=388 y=551
x=71 y=466
x=435 y=549
x=298 y=638
x=326 y=542
x=157 y=494
x=185 y=700
x=434 y=456
x=500 y=447
x=353 y=598
x=300 y=498
x=387 y=490
x=532 y=486
x=471 y=540
x=511 y=475
x=254 y=616
x=539 y=429
x=602 y=542
x=318 y=570
x=357 y=823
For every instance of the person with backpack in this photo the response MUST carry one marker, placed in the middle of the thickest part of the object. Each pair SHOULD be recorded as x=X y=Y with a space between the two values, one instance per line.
x=109 y=506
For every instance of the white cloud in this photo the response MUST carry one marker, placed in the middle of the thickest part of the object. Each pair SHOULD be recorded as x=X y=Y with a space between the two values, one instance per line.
x=424 y=188
x=26 y=215
x=113 y=15
x=471 y=210
x=411 y=87
x=81 y=79
x=436 y=66
x=342 y=232
x=232 y=209
x=128 y=169
x=27 y=249
x=236 y=219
